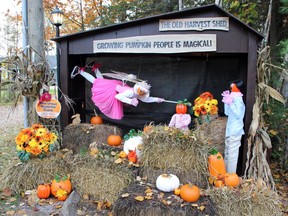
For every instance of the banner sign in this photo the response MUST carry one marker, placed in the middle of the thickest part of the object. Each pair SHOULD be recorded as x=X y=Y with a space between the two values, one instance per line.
x=158 y=44
x=194 y=24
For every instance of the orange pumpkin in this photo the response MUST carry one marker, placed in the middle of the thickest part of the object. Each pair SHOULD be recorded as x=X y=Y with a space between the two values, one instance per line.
x=64 y=184
x=190 y=193
x=231 y=179
x=114 y=140
x=96 y=120
x=181 y=108
x=43 y=191
x=219 y=183
x=216 y=164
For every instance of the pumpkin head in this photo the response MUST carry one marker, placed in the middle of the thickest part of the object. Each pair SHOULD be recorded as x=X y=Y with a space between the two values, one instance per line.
x=114 y=140
x=43 y=191
x=216 y=164
x=96 y=120
x=181 y=107
x=190 y=193
x=167 y=182
x=58 y=183
x=231 y=179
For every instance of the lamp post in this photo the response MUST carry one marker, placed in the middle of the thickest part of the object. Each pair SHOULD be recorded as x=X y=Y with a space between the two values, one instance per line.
x=57 y=21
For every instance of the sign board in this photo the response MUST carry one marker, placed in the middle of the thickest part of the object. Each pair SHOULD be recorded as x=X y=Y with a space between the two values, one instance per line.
x=48 y=109
x=194 y=24
x=182 y=43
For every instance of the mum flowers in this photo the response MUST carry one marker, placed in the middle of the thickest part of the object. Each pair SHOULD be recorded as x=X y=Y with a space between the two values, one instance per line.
x=36 y=140
x=205 y=104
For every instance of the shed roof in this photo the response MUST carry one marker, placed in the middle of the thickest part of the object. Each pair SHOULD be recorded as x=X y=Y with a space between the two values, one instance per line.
x=169 y=15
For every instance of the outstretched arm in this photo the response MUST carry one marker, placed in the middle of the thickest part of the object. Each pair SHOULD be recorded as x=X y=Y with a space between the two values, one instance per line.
x=152 y=100
x=127 y=97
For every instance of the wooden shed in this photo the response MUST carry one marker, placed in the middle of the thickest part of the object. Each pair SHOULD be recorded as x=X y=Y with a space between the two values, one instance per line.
x=181 y=54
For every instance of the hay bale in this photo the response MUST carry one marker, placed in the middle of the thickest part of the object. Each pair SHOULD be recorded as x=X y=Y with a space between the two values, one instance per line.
x=213 y=133
x=100 y=178
x=76 y=137
x=169 y=150
x=27 y=176
x=157 y=204
x=251 y=198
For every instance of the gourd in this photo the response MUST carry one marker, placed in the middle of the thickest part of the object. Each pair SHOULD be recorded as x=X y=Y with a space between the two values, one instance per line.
x=64 y=184
x=190 y=193
x=96 y=119
x=167 y=182
x=216 y=164
x=122 y=154
x=231 y=179
x=43 y=191
x=133 y=143
x=177 y=191
x=114 y=140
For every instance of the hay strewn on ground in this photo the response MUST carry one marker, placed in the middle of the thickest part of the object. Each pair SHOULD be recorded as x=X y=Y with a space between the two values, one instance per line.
x=157 y=203
x=250 y=198
x=102 y=179
x=27 y=176
x=169 y=150
x=212 y=133
x=78 y=136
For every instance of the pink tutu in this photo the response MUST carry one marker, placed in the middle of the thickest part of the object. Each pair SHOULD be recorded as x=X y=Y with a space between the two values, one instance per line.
x=103 y=96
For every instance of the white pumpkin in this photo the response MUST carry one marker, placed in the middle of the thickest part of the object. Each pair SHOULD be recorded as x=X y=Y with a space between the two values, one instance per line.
x=167 y=182
x=132 y=144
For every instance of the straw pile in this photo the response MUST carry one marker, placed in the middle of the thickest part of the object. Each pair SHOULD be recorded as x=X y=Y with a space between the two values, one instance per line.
x=251 y=198
x=143 y=200
x=212 y=133
x=27 y=176
x=80 y=136
x=169 y=150
x=100 y=178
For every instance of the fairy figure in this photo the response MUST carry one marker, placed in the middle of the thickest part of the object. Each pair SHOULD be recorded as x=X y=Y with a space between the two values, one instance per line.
x=110 y=94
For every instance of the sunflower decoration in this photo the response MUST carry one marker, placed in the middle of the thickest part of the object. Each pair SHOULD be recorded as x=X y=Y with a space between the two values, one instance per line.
x=205 y=105
x=36 y=140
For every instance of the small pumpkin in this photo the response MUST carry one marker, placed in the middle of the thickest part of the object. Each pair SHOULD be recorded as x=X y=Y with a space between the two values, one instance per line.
x=167 y=182
x=43 y=191
x=219 y=183
x=122 y=154
x=216 y=164
x=61 y=195
x=114 y=140
x=61 y=183
x=96 y=119
x=132 y=156
x=231 y=179
x=190 y=193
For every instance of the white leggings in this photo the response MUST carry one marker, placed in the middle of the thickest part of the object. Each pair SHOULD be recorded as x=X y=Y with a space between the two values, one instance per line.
x=232 y=144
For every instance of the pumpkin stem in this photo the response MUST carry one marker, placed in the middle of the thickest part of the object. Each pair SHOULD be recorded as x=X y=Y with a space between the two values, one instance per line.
x=95 y=113
x=213 y=151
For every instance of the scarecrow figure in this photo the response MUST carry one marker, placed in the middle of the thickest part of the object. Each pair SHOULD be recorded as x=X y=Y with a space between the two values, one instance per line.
x=180 y=121
x=109 y=95
x=234 y=108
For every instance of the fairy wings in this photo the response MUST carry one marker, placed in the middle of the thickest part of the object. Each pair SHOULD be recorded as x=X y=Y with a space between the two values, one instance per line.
x=127 y=77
